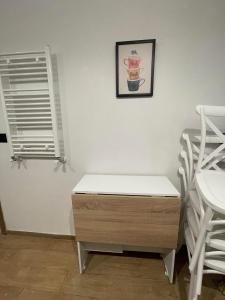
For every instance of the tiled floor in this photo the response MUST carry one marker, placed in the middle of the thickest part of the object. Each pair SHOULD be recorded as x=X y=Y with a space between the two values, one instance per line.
x=34 y=268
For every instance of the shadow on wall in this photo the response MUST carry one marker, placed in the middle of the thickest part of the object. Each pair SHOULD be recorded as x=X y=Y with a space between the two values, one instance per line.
x=58 y=103
x=2 y=221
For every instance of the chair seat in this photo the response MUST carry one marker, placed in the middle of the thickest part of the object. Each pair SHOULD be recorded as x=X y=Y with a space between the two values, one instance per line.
x=211 y=186
x=215 y=264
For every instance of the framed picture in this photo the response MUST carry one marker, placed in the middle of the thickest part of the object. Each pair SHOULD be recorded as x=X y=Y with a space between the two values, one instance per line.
x=135 y=68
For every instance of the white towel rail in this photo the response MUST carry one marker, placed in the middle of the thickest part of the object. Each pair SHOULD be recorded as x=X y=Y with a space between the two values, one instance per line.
x=27 y=95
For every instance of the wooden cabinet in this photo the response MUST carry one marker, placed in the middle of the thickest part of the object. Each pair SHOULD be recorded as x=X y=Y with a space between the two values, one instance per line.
x=116 y=213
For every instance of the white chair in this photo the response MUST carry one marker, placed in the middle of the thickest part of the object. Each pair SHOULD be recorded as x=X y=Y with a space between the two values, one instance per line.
x=192 y=139
x=204 y=149
x=208 y=249
x=211 y=159
x=190 y=223
x=190 y=155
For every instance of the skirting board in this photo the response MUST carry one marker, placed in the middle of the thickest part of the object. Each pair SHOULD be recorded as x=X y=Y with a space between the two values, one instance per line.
x=37 y=234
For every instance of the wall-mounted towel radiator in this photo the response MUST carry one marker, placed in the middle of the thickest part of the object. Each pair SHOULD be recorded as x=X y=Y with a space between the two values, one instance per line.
x=28 y=100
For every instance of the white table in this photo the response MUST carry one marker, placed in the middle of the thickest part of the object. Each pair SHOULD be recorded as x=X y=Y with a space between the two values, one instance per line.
x=120 y=212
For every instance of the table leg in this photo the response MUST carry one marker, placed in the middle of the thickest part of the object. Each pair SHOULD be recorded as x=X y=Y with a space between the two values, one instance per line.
x=82 y=256
x=169 y=260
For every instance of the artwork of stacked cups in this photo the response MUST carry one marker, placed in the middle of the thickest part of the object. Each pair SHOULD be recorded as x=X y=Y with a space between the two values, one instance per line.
x=135 y=68
x=132 y=62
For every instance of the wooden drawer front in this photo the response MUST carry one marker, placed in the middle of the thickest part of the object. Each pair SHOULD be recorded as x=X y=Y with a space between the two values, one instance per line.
x=127 y=220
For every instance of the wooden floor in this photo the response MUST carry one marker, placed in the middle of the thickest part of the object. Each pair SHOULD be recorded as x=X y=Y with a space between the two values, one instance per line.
x=34 y=268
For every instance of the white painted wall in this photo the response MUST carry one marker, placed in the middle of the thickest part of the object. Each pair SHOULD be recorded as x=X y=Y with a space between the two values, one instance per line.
x=104 y=134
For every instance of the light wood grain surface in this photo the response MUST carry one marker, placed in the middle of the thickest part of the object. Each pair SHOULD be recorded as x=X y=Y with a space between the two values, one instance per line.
x=43 y=268
x=127 y=220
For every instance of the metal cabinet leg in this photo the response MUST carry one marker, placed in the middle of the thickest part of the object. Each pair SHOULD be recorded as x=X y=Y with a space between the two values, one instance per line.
x=169 y=260
x=82 y=256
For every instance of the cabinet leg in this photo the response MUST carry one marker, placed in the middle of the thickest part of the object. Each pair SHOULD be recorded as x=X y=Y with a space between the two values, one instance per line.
x=169 y=260
x=82 y=256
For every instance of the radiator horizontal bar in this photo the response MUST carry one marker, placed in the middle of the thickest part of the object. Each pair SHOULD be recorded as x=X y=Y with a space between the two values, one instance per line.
x=34 y=153
x=24 y=74
x=22 y=69
x=33 y=145
x=49 y=150
x=31 y=123
x=29 y=113
x=27 y=119
x=29 y=104
x=25 y=90
x=21 y=57
x=27 y=99
x=36 y=143
x=24 y=80
x=29 y=109
x=27 y=63
x=34 y=140
x=31 y=136
x=21 y=53
x=33 y=127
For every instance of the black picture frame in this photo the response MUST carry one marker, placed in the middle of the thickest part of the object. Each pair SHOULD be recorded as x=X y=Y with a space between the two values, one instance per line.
x=135 y=64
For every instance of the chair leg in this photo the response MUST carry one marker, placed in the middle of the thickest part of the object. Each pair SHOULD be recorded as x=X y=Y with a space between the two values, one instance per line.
x=200 y=241
x=200 y=267
x=192 y=294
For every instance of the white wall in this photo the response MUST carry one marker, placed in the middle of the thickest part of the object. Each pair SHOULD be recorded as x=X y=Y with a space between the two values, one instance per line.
x=104 y=134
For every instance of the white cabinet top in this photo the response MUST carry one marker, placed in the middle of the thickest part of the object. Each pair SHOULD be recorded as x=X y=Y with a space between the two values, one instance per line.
x=126 y=185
